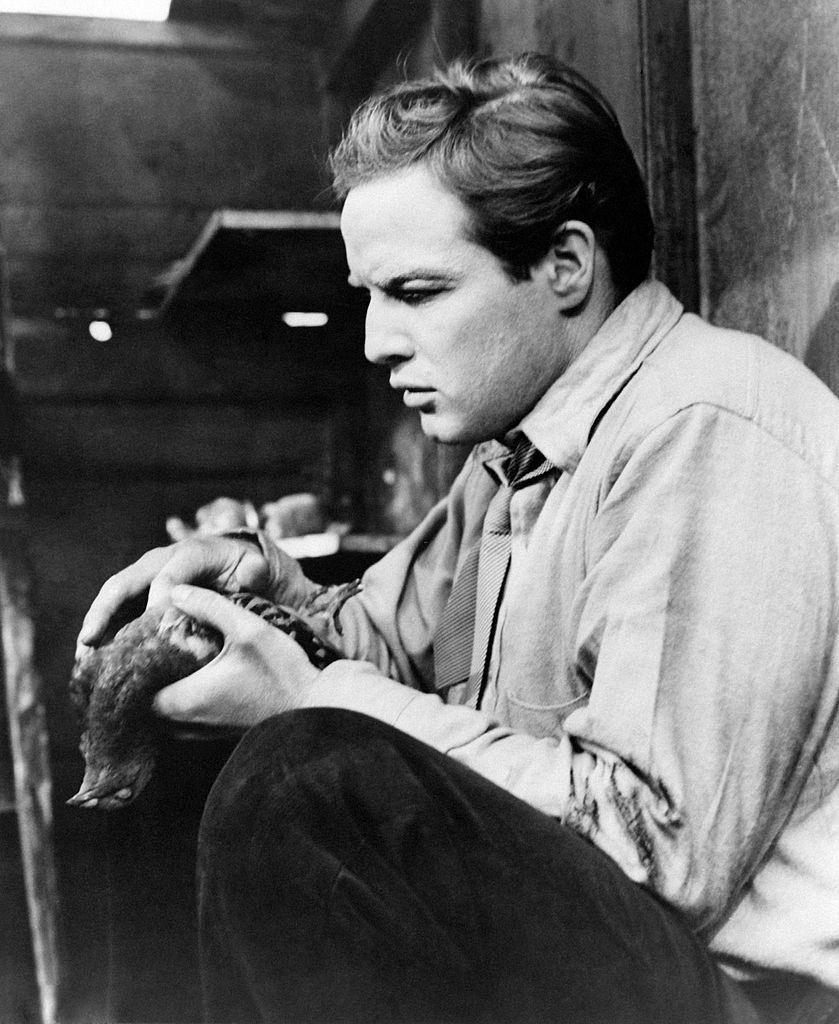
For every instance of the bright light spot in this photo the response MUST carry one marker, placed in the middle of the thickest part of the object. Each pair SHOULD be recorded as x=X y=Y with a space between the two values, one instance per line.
x=100 y=330
x=305 y=319
x=128 y=10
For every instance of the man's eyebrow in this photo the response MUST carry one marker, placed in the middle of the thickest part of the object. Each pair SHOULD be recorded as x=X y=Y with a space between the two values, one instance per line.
x=394 y=283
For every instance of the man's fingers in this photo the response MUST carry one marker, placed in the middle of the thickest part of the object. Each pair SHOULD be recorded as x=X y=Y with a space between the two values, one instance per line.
x=215 y=610
x=187 y=564
x=121 y=587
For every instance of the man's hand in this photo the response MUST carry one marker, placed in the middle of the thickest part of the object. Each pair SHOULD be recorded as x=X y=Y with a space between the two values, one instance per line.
x=221 y=563
x=258 y=673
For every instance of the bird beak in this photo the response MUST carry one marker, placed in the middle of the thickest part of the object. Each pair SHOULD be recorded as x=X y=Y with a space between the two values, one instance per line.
x=98 y=788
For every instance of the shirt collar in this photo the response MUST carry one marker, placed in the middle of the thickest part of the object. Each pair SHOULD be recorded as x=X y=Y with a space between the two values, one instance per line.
x=497 y=463
x=561 y=422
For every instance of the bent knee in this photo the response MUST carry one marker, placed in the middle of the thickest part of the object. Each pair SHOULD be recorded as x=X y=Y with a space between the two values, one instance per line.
x=300 y=757
x=298 y=736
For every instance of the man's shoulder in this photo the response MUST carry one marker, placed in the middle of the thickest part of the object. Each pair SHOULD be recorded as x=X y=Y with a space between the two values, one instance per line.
x=733 y=373
x=699 y=363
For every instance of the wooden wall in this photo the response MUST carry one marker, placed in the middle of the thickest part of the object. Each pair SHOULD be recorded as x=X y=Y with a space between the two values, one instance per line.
x=638 y=55
x=115 y=147
x=767 y=104
x=602 y=40
x=117 y=141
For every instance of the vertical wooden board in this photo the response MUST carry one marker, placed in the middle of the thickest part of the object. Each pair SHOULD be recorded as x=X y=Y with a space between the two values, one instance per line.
x=767 y=110
x=32 y=775
x=669 y=143
x=18 y=990
x=602 y=40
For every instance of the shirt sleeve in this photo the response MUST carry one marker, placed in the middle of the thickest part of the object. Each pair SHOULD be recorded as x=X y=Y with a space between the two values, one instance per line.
x=391 y=622
x=706 y=626
x=708 y=616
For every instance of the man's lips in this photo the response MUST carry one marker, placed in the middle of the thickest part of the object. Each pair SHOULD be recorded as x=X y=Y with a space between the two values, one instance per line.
x=416 y=398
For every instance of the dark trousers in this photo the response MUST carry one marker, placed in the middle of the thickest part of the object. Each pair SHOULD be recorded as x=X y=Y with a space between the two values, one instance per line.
x=349 y=873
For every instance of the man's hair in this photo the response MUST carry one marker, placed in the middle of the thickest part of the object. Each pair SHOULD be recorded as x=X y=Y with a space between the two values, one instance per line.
x=525 y=143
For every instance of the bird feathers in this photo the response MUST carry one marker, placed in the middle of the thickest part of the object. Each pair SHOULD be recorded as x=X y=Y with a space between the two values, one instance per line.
x=113 y=686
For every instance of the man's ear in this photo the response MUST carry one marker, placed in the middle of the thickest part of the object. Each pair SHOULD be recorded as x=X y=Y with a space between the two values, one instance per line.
x=570 y=264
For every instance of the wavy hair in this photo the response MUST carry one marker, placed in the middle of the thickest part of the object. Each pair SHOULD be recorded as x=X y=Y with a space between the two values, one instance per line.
x=526 y=143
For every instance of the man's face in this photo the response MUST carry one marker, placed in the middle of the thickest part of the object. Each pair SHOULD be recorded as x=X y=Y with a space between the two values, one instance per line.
x=470 y=349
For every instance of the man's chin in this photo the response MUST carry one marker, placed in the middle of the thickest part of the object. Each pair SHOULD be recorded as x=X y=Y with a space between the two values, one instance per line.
x=447 y=433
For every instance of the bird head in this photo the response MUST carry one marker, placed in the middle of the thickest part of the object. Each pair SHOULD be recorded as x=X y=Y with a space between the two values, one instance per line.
x=113 y=688
x=113 y=784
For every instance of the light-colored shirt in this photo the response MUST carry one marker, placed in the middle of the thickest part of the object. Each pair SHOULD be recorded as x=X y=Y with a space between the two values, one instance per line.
x=664 y=679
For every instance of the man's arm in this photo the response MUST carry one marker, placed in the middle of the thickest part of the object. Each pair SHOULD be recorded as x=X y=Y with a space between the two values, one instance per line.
x=392 y=621
x=708 y=615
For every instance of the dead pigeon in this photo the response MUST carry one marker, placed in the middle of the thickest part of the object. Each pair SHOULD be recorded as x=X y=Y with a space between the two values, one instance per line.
x=112 y=686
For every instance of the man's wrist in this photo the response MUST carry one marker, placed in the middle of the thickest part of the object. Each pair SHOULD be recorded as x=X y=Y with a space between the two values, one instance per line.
x=286 y=581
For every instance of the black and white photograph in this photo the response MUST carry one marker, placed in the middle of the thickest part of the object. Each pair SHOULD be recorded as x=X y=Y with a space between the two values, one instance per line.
x=419 y=511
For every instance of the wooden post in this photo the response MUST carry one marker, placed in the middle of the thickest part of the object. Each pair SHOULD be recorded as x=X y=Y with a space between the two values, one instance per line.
x=30 y=762
x=669 y=139
x=32 y=779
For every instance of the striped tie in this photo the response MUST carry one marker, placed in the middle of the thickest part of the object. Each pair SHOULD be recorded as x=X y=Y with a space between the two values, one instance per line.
x=463 y=644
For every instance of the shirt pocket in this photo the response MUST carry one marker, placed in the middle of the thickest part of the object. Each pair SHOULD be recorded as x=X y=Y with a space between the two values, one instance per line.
x=536 y=719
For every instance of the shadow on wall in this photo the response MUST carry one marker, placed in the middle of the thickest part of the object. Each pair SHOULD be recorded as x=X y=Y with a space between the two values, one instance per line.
x=822 y=352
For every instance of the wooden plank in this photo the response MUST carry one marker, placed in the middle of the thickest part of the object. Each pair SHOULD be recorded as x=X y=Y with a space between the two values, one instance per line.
x=18 y=987
x=639 y=57
x=670 y=158
x=600 y=39
x=767 y=113
x=32 y=778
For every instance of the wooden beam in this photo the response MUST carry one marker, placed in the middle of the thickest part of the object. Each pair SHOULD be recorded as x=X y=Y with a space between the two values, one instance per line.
x=669 y=143
x=30 y=761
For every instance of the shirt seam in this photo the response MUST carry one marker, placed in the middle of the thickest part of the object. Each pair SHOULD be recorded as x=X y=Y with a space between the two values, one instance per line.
x=754 y=420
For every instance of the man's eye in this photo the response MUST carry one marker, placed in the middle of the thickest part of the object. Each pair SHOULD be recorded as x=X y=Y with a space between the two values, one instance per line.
x=413 y=296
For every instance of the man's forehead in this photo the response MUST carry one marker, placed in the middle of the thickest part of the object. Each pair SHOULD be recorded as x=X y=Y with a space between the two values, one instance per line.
x=409 y=201
x=403 y=224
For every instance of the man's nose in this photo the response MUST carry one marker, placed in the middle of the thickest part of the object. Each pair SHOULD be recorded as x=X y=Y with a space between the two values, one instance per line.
x=386 y=339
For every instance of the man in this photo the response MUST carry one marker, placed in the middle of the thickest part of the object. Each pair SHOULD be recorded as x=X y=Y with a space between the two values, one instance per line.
x=581 y=761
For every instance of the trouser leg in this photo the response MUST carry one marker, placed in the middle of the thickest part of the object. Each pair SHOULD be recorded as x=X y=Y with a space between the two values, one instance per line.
x=349 y=873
